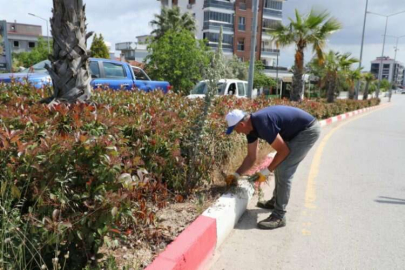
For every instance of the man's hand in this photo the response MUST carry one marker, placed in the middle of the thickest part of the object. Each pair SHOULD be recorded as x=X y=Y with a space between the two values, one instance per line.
x=232 y=179
x=262 y=175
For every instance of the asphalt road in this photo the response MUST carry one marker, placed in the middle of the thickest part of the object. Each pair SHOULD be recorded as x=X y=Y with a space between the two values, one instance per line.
x=347 y=206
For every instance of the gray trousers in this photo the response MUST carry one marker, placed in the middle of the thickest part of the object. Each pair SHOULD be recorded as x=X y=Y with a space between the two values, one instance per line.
x=299 y=147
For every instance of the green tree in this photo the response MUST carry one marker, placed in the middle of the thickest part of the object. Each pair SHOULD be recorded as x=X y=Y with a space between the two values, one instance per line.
x=172 y=19
x=1 y=44
x=260 y=79
x=237 y=69
x=312 y=29
x=368 y=77
x=228 y=68
x=385 y=85
x=37 y=54
x=179 y=58
x=98 y=47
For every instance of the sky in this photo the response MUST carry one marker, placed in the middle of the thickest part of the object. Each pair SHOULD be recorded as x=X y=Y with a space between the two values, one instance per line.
x=123 y=20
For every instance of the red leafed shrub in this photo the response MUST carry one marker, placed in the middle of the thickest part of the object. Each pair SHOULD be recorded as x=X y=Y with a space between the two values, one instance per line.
x=71 y=175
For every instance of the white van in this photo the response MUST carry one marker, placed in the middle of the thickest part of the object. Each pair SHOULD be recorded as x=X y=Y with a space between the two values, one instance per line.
x=237 y=88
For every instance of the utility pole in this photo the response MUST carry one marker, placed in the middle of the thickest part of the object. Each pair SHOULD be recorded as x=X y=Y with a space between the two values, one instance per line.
x=380 y=70
x=278 y=53
x=361 y=51
x=253 y=49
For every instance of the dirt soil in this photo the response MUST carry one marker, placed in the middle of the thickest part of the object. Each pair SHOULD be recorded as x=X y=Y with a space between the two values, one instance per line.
x=177 y=216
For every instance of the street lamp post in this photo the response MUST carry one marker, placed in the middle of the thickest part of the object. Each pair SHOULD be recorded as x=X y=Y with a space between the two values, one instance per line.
x=47 y=30
x=361 y=51
x=395 y=58
x=253 y=50
x=380 y=69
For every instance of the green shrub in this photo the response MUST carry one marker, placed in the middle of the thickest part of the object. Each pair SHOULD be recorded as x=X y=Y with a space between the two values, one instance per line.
x=75 y=177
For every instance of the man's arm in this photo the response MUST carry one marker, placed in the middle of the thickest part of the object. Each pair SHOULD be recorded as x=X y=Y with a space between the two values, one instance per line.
x=250 y=159
x=282 y=152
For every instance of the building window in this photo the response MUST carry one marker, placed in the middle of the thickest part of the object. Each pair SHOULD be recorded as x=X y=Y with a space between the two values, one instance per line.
x=242 y=4
x=218 y=16
x=16 y=44
x=278 y=5
x=191 y=2
x=214 y=37
x=241 y=45
x=270 y=24
x=242 y=24
x=31 y=44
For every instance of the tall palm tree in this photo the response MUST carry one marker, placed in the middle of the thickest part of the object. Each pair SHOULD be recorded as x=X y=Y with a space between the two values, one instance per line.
x=70 y=60
x=368 y=77
x=172 y=19
x=312 y=29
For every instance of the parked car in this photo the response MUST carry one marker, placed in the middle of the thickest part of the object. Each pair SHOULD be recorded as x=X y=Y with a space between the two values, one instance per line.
x=233 y=87
x=402 y=91
x=104 y=72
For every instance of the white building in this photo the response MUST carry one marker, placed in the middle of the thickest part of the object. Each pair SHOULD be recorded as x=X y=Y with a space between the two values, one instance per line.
x=392 y=70
x=132 y=50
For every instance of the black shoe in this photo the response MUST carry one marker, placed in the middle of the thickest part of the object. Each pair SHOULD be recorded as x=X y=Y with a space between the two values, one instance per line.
x=266 y=204
x=272 y=222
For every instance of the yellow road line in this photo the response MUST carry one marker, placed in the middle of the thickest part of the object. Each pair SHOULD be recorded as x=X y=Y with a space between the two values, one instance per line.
x=310 y=194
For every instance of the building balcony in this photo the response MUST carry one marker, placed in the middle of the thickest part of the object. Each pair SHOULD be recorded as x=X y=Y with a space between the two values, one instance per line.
x=270 y=52
x=272 y=13
x=218 y=4
x=217 y=26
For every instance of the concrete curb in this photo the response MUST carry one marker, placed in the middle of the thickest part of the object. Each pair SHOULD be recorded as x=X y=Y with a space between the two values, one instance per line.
x=344 y=116
x=193 y=248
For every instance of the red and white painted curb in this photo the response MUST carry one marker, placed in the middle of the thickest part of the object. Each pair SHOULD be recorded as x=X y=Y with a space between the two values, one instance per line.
x=196 y=245
x=344 y=116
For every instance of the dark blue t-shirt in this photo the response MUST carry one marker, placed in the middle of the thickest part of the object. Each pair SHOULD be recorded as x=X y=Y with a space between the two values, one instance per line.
x=284 y=120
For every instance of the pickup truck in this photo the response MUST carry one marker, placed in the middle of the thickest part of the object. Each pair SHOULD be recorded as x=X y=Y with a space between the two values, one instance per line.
x=104 y=72
x=233 y=87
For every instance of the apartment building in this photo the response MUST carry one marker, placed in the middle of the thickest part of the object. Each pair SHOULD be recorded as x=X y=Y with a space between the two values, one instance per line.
x=236 y=19
x=23 y=37
x=392 y=70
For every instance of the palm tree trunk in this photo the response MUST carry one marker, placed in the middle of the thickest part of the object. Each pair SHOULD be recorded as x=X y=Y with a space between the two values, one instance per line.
x=351 y=91
x=70 y=61
x=297 y=85
x=331 y=89
x=365 y=95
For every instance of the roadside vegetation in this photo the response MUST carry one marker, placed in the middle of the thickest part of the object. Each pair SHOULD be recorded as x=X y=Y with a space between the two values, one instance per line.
x=89 y=170
x=76 y=177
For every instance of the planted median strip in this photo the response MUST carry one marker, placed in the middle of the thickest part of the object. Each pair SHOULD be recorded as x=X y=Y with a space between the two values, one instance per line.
x=85 y=176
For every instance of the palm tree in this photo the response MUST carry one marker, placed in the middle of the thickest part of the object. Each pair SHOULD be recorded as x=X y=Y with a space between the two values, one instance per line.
x=172 y=19
x=70 y=60
x=368 y=77
x=333 y=69
x=312 y=29
x=352 y=77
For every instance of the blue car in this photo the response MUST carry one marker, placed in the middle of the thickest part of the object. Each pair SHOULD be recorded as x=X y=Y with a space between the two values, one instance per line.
x=104 y=72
